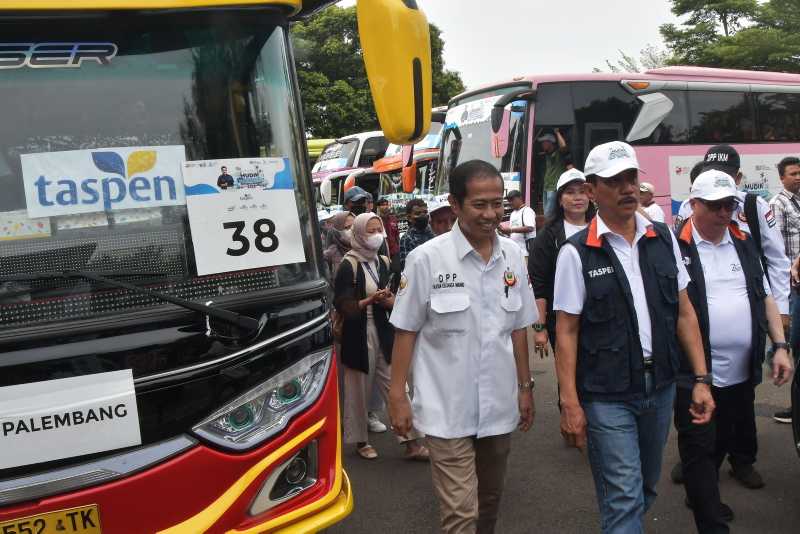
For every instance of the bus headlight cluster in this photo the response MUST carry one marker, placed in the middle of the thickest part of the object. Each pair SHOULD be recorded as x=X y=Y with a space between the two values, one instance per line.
x=266 y=409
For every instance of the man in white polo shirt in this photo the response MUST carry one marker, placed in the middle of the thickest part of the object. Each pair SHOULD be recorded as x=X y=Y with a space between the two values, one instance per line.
x=622 y=311
x=460 y=320
x=732 y=298
x=521 y=223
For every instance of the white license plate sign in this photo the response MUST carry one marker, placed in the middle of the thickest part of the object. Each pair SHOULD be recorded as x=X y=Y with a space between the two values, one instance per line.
x=55 y=419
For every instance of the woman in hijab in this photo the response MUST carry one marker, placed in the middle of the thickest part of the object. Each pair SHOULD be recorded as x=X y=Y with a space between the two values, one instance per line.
x=337 y=241
x=362 y=296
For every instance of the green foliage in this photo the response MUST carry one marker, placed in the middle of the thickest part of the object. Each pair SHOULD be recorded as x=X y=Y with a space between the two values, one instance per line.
x=333 y=82
x=737 y=34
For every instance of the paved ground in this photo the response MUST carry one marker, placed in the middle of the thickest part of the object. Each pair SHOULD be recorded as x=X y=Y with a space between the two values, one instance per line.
x=549 y=488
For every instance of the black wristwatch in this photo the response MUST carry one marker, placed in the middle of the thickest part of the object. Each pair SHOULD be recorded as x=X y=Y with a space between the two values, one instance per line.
x=780 y=345
x=538 y=327
x=704 y=379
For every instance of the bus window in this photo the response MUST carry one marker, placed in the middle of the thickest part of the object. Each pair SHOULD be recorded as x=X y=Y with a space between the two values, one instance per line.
x=603 y=112
x=674 y=128
x=374 y=148
x=778 y=116
x=721 y=117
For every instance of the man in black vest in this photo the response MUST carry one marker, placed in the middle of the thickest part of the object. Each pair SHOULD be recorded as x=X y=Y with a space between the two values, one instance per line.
x=734 y=307
x=622 y=309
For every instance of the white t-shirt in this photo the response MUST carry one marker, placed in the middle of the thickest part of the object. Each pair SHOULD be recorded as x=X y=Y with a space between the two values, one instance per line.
x=778 y=264
x=524 y=216
x=655 y=212
x=465 y=377
x=569 y=289
x=571 y=229
x=730 y=331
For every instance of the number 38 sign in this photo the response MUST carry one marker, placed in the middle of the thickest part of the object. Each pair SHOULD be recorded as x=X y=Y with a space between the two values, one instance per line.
x=242 y=213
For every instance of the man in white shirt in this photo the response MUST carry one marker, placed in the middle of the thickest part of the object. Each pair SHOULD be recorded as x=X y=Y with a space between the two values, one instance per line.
x=460 y=321
x=725 y=158
x=733 y=301
x=622 y=310
x=647 y=192
x=521 y=222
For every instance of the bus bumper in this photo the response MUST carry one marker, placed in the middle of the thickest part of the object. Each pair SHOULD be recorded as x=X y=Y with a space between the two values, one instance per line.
x=208 y=490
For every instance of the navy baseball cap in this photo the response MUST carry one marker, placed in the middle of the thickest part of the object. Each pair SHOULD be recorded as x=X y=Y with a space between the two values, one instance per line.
x=355 y=194
x=723 y=158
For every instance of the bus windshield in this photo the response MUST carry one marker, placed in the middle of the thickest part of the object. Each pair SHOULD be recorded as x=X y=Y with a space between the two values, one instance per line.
x=126 y=93
x=467 y=135
x=338 y=155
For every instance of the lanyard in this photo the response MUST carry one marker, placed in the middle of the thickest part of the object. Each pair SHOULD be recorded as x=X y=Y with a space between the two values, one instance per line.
x=372 y=274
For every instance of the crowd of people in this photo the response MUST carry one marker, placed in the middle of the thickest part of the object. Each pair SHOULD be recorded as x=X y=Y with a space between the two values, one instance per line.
x=651 y=326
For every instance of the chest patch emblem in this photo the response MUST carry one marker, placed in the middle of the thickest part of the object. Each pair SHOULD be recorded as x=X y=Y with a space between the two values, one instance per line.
x=594 y=273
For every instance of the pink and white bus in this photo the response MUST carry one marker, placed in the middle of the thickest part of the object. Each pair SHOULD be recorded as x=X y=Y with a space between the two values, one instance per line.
x=670 y=115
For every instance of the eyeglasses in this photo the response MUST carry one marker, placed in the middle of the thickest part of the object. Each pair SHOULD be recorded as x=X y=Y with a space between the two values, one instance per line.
x=728 y=204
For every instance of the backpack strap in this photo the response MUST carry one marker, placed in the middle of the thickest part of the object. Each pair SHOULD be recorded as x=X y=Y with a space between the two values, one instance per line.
x=753 y=221
x=353 y=264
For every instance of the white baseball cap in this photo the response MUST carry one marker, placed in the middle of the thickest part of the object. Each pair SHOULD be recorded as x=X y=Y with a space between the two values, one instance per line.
x=546 y=137
x=713 y=185
x=572 y=175
x=324 y=215
x=435 y=205
x=647 y=187
x=610 y=159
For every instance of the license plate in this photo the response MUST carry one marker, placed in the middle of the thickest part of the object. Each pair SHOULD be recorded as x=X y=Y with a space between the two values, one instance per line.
x=83 y=520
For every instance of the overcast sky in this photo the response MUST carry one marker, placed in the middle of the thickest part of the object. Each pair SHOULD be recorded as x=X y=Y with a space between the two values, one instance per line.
x=499 y=39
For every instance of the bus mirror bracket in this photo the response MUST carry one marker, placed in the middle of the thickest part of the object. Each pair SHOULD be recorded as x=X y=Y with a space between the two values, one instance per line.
x=655 y=107
x=501 y=118
x=409 y=172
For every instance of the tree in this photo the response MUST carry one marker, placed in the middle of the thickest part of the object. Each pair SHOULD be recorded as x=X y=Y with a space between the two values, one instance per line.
x=650 y=57
x=333 y=82
x=754 y=36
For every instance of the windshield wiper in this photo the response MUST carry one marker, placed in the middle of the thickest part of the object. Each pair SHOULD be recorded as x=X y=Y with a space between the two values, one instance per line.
x=241 y=321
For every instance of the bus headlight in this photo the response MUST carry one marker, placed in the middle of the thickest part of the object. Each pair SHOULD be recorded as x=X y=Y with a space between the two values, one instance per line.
x=266 y=409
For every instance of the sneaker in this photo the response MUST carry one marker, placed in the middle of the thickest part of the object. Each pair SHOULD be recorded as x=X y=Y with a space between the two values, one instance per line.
x=725 y=511
x=374 y=424
x=784 y=416
x=677 y=473
x=747 y=476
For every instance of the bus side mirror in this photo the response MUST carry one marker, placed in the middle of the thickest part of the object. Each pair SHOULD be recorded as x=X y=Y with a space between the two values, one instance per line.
x=409 y=169
x=501 y=118
x=397 y=55
x=655 y=107
x=325 y=192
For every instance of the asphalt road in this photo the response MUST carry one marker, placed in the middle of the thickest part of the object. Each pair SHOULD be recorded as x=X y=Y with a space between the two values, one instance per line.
x=549 y=487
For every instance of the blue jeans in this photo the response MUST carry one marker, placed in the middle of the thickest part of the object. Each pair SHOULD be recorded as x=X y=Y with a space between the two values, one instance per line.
x=626 y=441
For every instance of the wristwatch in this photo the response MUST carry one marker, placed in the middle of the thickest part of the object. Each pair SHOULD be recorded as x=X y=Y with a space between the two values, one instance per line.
x=780 y=345
x=530 y=384
x=538 y=327
x=704 y=379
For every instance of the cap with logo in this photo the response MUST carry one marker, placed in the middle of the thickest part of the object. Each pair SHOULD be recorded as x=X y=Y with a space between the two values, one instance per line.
x=355 y=194
x=572 y=175
x=610 y=159
x=647 y=187
x=713 y=185
x=546 y=137
x=724 y=158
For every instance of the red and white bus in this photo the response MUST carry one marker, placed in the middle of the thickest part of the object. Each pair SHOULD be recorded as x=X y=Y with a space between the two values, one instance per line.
x=165 y=349
x=670 y=115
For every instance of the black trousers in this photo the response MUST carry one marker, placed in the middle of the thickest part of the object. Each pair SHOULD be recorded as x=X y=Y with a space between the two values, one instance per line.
x=697 y=448
x=703 y=448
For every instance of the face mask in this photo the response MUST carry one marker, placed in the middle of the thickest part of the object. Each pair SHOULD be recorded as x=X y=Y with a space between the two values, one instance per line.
x=358 y=210
x=348 y=233
x=374 y=241
x=420 y=223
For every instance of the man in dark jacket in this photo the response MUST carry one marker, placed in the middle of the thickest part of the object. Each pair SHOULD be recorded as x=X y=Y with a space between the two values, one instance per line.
x=622 y=310
x=733 y=302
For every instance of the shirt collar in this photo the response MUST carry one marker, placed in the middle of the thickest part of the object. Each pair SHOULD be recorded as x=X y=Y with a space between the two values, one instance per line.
x=790 y=195
x=598 y=228
x=463 y=247
x=689 y=230
x=726 y=238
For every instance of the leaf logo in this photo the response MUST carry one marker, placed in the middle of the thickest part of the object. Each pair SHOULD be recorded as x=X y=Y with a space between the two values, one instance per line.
x=138 y=162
